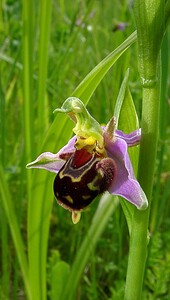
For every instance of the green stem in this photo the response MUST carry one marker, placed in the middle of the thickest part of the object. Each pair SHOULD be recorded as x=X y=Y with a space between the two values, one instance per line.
x=139 y=231
x=150 y=29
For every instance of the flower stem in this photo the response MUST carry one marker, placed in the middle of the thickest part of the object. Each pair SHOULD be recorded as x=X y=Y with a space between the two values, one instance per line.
x=139 y=231
x=150 y=29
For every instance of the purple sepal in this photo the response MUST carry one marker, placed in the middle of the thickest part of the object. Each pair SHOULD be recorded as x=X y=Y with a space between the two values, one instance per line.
x=124 y=183
x=132 y=139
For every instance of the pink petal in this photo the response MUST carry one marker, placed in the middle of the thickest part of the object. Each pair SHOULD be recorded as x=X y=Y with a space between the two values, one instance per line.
x=53 y=162
x=125 y=183
x=131 y=139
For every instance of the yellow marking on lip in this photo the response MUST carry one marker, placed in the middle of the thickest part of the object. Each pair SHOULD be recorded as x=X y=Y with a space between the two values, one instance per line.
x=69 y=199
x=87 y=167
x=91 y=185
x=73 y=179
x=57 y=194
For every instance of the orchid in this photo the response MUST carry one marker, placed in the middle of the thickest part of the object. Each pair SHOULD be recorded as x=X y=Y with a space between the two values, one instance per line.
x=95 y=160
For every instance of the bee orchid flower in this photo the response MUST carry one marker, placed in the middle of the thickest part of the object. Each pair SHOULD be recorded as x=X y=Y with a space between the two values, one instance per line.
x=94 y=160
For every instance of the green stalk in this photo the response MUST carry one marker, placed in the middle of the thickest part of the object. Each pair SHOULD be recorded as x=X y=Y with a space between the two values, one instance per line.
x=139 y=228
x=149 y=19
x=4 y=233
x=156 y=209
x=45 y=20
x=15 y=231
x=28 y=77
x=38 y=218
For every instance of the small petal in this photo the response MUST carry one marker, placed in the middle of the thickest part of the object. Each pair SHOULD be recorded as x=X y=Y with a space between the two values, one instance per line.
x=124 y=183
x=53 y=162
x=48 y=161
x=132 y=139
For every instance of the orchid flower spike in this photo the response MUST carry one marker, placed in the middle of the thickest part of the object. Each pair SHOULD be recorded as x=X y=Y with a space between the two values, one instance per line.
x=93 y=161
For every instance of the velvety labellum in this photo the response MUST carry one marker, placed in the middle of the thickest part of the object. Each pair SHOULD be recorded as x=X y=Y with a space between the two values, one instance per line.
x=82 y=178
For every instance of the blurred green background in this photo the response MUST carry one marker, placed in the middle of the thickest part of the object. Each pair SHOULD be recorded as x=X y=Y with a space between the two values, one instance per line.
x=79 y=36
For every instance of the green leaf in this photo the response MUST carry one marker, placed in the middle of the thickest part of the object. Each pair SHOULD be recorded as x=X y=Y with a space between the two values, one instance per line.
x=121 y=97
x=128 y=116
x=59 y=278
x=92 y=80
x=128 y=122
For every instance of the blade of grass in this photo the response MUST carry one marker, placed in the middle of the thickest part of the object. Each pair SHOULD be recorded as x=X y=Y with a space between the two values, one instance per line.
x=5 y=255
x=155 y=212
x=27 y=76
x=4 y=232
x=92 y=80
x=15 y=231
x=69 y=44
x=121 y=97
x=39 y=290
x=128 y=122
x=45 y=20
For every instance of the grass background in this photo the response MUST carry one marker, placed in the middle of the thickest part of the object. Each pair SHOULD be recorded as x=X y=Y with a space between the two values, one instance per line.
x=46 y=50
